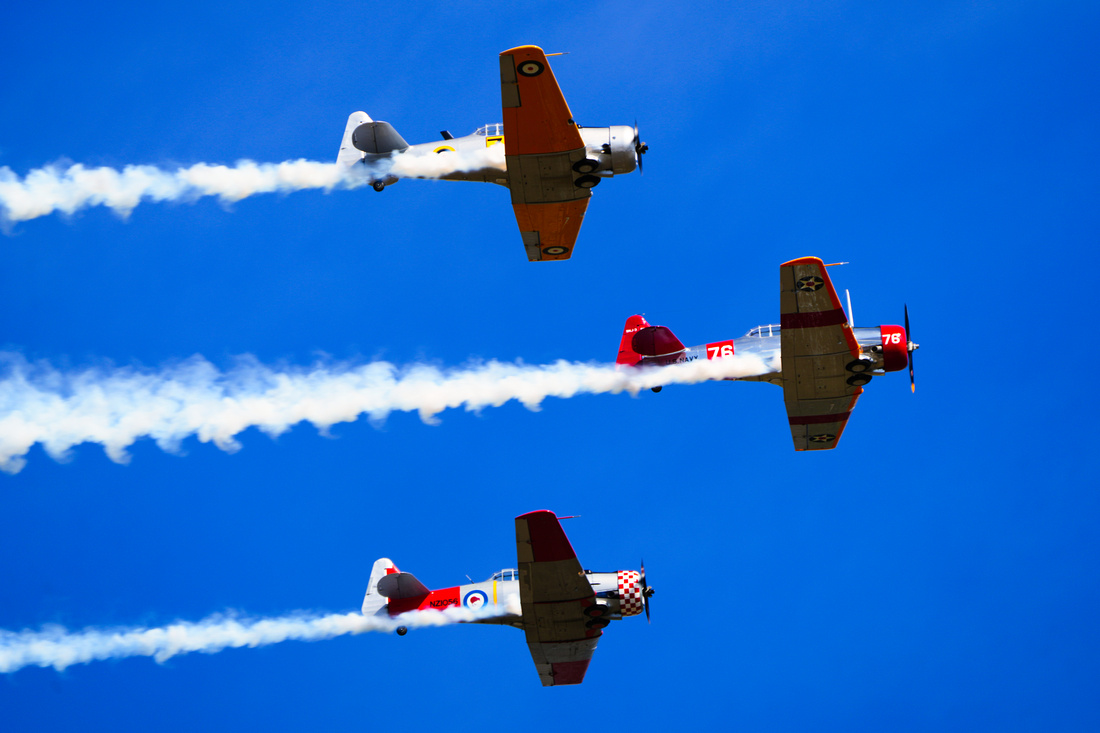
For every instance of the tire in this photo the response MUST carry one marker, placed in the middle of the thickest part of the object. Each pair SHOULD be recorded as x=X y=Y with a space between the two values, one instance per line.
x=378 y=186
x=587 y=182
x=586 y=166
x=656 y=389
x=402 y=630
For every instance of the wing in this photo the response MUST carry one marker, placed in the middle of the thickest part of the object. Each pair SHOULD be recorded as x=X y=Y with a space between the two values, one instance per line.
x=542 y=143
x=817 y=344
x=553 y=593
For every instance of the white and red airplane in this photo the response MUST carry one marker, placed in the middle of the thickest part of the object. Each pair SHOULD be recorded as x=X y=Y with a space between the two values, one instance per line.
x=549 y=162
x=819 y=359
x=563 y=607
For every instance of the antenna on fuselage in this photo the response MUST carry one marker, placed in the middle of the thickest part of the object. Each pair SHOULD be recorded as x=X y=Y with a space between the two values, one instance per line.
x=559 y=53
x=851 y=321
x=469 y=578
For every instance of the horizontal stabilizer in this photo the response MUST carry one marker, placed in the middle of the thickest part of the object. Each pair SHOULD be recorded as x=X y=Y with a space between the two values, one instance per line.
x=401 y=585
x=655 y=341
x=377 y=138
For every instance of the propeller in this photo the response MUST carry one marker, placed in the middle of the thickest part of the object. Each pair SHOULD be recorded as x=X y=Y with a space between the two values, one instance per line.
x=640 y=148
x=912 y=347
x=646 y=593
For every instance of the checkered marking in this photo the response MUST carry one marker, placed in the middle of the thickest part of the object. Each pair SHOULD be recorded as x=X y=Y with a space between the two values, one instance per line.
x=631 y=602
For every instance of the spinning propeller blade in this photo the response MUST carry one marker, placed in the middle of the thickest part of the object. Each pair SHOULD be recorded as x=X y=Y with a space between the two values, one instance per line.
x=646 y=593
x=640 y=148
x=912 y=347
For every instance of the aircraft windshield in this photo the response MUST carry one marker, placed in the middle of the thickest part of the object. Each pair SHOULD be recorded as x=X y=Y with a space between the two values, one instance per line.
x=504 y=575
x=497 y=129
x=771 y=329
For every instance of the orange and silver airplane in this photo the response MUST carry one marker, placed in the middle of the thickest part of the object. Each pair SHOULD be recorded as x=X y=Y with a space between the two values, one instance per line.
x=563 y=608
x=819 y=359
x=548 y=162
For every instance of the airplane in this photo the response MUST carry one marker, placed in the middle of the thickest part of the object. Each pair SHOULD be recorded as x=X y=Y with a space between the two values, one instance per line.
x=549 y=163
x=820 y=360
x=563 y=607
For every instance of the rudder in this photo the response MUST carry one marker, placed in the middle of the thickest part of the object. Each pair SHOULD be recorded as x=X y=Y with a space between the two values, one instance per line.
x=373 y=601
x=349 y=155
x=627 y=354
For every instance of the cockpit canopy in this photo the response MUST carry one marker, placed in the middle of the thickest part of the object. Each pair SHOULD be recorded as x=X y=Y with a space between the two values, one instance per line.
x=771 y=329
x=507 y=574
x=497 y=129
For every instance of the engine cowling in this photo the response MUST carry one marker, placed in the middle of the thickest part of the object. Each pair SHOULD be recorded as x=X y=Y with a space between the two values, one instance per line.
x=623 y=157
x=611 y=147
x=631 y=598
x=895 y=348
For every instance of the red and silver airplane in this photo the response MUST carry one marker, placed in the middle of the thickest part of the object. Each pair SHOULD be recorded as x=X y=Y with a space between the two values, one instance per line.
x=563 y=607
x=551 y=164
x=820 y=360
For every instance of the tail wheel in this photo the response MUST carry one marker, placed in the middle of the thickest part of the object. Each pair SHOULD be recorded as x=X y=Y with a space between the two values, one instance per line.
x=378 y=186
x=597 y=623
x=858 y=380
x=858 y=366
x=586 y=166
x=402 y=630
x=587 y=181
x=656 y=389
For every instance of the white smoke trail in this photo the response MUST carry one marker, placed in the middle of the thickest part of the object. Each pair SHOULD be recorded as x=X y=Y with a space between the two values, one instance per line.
x=70 y=189
x=433 y=165
x=56 y=647
x=116 y=406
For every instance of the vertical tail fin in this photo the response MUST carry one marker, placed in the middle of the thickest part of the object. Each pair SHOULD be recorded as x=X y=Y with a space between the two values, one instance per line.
x=349 y=155
x=373 y=601
x=627 y=354
x=641 y=341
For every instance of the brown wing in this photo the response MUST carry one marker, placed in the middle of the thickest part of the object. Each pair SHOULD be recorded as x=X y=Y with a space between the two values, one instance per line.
x=553 y=593
x=817 y=344
x=542 y=143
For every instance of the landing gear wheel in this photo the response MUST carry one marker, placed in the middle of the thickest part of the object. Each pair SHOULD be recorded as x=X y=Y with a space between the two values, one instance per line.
x=858 y=366
x=858 y=380
x=597 y=623
x=597 y=610
x=379 y=186
x=587 y=181
x=586 y=166
x=656 y=389
x=402 y=630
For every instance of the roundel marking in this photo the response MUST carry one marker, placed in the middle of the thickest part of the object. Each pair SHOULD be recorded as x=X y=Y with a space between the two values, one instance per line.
x=823 y=438
x=530 y=68
x=810 y=284
x=444 y=149
x=475 y=599
x=555 y=250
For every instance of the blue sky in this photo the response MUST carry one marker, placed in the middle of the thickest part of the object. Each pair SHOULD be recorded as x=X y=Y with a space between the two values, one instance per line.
x=938 y=570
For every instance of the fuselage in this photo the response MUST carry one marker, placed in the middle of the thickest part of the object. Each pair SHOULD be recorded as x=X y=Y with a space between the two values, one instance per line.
x=620 y=591
x=765 y=342
x=611 y=149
